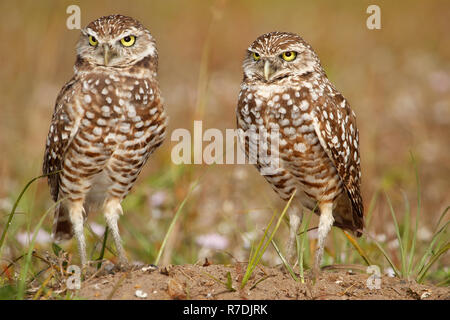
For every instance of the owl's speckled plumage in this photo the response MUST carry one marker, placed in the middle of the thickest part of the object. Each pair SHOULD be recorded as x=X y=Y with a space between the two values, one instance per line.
x=318 y=138
x=107 y=120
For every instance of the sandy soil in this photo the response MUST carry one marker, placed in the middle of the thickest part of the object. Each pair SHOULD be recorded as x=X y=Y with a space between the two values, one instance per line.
x=196 y=282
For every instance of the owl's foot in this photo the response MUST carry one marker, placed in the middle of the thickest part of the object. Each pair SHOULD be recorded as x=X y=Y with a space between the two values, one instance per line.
x=123 y=266
x=89 y=269
x=94 y=269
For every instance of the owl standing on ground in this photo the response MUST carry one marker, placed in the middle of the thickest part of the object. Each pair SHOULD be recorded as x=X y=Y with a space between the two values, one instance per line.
x=107 y=120
x=285 y=90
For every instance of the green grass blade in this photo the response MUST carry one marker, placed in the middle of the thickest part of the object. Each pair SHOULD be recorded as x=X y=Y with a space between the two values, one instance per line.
x=13 y=210
x=260 y=251
x=337 y=251
x=283 y=259
x=358 y=248
x=261 y=242
x=102 y=251
x=254 y=252
x=399 y=238
x=444 y=283
x=433 y=259
x=172 y=223
x=229 y=283
x=429 y=250
x=396 y=271
x=143 y=241
x=413 y=245
x=301 y=240
x=272 y=234
x=406 y=230
x=441 y=217
x=56 y=249
x=372 y=203
x=25 y=268
x=260 y=280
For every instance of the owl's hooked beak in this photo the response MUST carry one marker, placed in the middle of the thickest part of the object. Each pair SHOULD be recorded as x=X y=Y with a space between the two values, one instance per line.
x=106 y=53
x=268 y=71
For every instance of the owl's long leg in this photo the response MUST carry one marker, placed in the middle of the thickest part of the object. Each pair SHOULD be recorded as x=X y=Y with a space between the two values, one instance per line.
x=112 y=212
x=77 y=214
x=325 y=223
x=295 y=219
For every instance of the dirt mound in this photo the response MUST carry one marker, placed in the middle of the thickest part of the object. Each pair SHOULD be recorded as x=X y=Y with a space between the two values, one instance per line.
x=212 y=282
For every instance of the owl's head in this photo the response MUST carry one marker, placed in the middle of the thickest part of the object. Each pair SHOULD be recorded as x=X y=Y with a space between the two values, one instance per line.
x=115 y=41
x=277 y=55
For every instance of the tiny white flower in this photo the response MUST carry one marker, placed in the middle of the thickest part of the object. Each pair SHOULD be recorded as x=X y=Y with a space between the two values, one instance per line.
x=393 y=244
x=424 y=234
x=141 y=294
x=389 y=272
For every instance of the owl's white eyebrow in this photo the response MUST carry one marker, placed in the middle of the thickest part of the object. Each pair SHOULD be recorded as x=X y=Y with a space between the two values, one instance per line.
x=90 y=32
x=294 y=48
x=253 y=51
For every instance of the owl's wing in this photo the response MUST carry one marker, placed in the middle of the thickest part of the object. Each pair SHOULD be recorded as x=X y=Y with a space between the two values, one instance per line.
x=63 y=128
x=335 y=126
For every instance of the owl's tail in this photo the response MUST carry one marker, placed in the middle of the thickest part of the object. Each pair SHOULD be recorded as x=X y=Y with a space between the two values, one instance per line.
x=62 y=227
x=346 y=218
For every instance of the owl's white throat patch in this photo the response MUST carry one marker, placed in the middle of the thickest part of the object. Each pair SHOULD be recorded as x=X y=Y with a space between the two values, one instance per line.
x=266 y=91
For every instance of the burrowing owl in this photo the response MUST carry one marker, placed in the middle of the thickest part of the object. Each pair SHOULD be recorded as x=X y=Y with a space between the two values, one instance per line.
x=286 y=90
x=107 y=120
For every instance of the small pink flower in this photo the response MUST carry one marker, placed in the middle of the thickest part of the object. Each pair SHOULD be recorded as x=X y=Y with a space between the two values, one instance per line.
x=212 y=241
x=42 y=237
x=98 y=229
x=158 y=198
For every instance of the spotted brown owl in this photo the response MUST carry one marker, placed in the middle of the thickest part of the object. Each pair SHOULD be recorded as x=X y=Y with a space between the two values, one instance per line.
x=285 y=90
x=107 y=120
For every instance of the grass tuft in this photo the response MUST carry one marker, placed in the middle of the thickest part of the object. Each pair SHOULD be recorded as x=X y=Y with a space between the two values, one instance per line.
x=16 y=203
x=285 y=263
x=301 y=245
x=172 y=223
x=257 y=255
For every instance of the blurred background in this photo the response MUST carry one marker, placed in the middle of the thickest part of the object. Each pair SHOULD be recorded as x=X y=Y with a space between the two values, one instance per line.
x=397 y=80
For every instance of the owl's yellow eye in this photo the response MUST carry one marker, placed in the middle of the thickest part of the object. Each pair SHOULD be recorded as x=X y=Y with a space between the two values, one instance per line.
x=128 y=41
x=289 y=55
x=92 y=41
x=256 y=56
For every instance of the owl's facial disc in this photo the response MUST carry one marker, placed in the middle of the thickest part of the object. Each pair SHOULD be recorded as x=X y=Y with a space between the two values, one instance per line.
x=109 y=51
x=275 y=56
x=105 y=44
x=269 y=68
